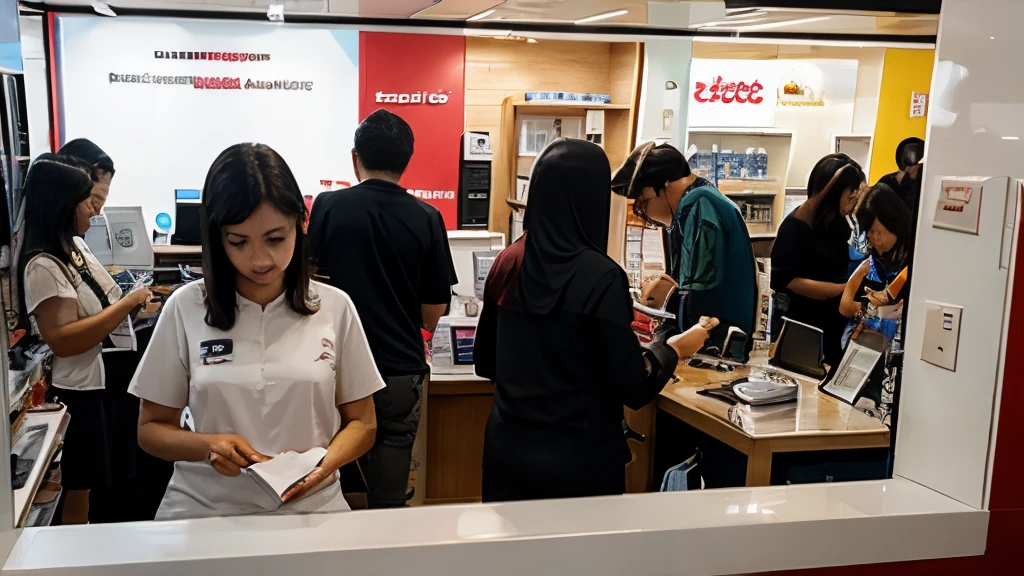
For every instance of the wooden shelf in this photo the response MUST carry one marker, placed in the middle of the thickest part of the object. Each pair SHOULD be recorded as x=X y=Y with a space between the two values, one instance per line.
x=749 y=194
x=516 y=204
x=744 y=131
x=578 y=105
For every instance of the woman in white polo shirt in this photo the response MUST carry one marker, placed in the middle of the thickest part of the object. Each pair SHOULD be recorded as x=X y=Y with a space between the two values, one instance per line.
x=75 y=305
x=265 y=360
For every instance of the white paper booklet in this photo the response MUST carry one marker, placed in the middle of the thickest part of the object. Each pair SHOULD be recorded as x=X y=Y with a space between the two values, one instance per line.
x=278 y=475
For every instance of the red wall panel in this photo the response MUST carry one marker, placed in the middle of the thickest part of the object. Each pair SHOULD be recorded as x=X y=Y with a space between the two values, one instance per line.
x=426 y=74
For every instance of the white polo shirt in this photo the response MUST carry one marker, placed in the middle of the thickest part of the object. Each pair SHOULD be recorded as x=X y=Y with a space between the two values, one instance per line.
x=45 y=279
x=276 y=379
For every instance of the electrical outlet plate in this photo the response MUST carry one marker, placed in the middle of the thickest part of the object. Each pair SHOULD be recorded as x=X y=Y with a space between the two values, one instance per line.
x=941 y=334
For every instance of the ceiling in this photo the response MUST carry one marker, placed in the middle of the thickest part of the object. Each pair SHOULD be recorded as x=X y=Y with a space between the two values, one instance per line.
x=700 y=15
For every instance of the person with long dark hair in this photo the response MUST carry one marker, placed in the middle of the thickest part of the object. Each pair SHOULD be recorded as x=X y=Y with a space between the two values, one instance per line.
x=811 y=257
x=887 y=221
x=75 y=305
x=555 y=337
x=100 y=167
x=266 y=360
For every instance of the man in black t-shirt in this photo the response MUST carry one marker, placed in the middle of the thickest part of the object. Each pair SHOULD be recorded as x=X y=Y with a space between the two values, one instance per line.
x=389 y=252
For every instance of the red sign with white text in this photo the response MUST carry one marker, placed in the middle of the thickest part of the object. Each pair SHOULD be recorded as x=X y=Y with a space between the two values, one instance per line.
x=421 y=78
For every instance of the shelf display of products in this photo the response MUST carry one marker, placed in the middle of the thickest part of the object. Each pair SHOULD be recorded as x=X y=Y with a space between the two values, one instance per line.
x=718 y=166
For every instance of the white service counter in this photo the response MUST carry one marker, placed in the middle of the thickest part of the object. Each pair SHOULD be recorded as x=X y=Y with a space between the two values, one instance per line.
x=696 y=533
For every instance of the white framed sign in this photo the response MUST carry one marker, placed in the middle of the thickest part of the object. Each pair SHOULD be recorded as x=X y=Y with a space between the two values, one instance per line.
x=733 y=93
x=959 y=204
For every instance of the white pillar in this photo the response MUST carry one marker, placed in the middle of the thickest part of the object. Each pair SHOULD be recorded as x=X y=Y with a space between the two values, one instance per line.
x=976 y=120
x=663 y=107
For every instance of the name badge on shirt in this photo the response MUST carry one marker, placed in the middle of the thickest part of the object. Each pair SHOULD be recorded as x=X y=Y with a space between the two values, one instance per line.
x=216 y=351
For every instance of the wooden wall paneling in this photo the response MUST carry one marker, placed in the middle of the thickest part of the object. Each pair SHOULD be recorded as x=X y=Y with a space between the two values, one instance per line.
x=622 y=72
x=455 y=446
x=503 y=170
x=571 y=66
x=497 y=69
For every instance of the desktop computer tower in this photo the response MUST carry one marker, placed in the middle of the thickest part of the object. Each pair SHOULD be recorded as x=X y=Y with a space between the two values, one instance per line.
x=474 y=196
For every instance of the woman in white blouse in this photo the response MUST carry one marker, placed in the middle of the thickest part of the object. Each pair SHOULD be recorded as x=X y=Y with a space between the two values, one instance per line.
x=75 y=305
x=265 y=360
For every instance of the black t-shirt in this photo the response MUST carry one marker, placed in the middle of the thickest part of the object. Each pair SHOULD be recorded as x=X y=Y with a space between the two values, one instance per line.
x=389 y=252
x=802 y=252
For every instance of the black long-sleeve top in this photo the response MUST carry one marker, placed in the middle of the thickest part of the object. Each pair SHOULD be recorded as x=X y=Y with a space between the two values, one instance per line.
x=574 y=368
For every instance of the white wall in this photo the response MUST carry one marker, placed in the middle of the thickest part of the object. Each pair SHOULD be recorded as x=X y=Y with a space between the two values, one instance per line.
x=165 y=137
x=975 y=122
x=36 y=106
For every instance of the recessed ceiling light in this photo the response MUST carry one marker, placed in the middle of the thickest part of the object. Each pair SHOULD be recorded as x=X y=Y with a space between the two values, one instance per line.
x=770 y=25
x=481 y=15
x=1011 y=137
x=602 y=16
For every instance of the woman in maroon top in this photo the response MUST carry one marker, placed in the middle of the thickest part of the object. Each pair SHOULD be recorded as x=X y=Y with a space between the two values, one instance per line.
x=555 y=338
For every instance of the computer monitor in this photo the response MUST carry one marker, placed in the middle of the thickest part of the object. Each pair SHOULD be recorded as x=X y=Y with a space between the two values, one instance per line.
x=187 y=231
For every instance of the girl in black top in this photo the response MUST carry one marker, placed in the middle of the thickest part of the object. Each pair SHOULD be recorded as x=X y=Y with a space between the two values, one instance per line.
x=555 y=337
x=810 y=259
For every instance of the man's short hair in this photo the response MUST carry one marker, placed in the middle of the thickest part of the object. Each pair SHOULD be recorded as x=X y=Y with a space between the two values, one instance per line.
x=384 y=143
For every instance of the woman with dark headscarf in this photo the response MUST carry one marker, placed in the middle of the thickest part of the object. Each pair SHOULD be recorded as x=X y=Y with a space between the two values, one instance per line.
x=101 y=168
x=555 y=338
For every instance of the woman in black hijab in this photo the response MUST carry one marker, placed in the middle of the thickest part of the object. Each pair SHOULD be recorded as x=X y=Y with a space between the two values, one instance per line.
x=555 y=338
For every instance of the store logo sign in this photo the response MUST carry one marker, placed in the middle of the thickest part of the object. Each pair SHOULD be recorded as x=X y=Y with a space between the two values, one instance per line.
x=439 y=97
x=433 y=194
x=729 y=92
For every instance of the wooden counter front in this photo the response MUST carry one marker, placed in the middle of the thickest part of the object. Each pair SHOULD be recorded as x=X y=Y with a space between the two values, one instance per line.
x=457 y=409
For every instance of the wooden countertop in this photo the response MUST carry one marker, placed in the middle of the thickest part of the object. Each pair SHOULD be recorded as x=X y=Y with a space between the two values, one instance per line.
x=453 y=384
x=176 y=249
x=813 y=414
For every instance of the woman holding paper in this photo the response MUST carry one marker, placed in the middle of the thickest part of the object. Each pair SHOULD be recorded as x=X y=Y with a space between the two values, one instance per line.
x=75 y=305
x=267 y=362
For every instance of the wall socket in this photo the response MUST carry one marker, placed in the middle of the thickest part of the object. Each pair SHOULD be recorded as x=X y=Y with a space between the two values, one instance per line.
x=941 y=334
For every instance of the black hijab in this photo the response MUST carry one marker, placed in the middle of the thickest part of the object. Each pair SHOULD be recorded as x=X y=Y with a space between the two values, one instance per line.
x=566 y=223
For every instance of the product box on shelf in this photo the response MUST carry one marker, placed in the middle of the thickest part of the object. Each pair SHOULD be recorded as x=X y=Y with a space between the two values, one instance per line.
x=729 y=165
x=703 y=163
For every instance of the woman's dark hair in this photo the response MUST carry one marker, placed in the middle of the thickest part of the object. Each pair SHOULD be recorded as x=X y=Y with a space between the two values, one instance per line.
x=883 y=204
x=241 y=178
x=54 y=187
x=649 y=165
x=832 y=175
x=91 y=154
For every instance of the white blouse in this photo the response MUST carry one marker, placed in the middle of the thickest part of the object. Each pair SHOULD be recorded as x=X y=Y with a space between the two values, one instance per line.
x=45 y=279
x=276 y=379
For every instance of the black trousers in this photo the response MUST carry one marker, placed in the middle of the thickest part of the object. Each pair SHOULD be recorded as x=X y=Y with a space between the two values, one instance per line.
x=530 y=463
x=386 y=465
